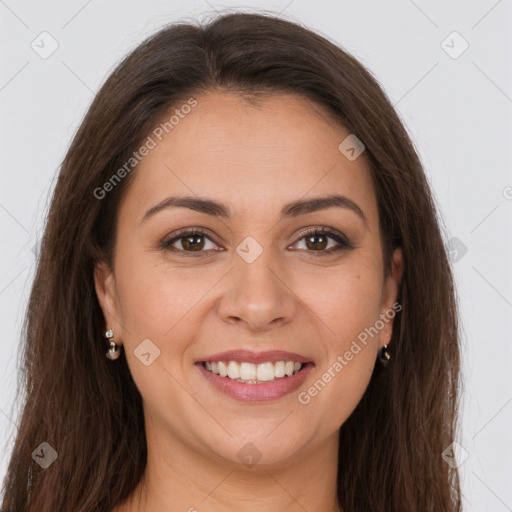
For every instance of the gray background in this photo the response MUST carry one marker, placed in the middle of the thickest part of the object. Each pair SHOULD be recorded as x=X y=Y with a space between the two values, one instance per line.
x=458 y=112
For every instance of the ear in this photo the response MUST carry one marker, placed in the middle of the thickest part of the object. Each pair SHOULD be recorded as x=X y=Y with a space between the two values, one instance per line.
x=390 y=289
x=106 y=291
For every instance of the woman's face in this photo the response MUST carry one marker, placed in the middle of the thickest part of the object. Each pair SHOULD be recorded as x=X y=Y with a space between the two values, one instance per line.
x=256 y=179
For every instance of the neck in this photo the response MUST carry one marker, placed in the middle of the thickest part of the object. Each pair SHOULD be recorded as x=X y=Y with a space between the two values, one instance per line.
x=179 y=477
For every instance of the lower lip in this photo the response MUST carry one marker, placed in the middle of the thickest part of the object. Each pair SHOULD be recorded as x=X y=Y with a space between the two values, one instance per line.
x=256 y=392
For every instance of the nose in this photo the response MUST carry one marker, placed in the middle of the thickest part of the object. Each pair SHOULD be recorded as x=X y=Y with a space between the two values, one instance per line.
x=257 y=296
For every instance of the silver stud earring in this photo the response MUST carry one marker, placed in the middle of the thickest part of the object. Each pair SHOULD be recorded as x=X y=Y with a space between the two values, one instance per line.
x=114 y=350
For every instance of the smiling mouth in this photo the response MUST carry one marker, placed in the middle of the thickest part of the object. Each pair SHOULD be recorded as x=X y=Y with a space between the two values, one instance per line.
x=250 y=373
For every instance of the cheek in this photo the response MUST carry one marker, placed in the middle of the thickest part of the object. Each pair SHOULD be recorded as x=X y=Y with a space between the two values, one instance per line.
x=348 y=302
x=154 y=297
x=347 y=298
x=348 y=310
x=157 y=303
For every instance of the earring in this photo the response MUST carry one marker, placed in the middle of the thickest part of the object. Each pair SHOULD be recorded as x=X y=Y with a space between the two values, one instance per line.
x=114 y=351
x=384 y=355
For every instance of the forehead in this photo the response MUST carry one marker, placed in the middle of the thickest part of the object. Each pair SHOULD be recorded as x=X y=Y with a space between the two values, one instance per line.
x=250 y=154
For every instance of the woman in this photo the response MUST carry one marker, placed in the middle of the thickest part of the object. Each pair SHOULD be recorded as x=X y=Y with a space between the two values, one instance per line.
x=242 y=217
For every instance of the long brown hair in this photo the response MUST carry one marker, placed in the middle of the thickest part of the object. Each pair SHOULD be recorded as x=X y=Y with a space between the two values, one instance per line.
x=90 y=411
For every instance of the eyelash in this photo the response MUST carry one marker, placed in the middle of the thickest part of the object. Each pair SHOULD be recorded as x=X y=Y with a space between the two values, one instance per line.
x=337 y=237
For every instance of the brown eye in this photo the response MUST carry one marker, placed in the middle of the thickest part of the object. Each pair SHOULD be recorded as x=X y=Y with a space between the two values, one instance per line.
x=316 y=242
x=322 y=241
x=192 y=242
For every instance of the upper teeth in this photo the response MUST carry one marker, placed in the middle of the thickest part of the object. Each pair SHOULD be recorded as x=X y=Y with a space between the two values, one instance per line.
x=249 y=372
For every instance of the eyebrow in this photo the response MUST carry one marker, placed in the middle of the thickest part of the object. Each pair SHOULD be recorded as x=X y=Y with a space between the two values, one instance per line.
x=293 y=209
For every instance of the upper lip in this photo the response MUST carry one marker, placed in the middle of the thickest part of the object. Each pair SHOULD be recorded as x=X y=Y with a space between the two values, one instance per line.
x=246 y=356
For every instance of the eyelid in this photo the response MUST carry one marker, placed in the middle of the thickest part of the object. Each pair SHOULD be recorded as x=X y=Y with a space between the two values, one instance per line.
x=340 y=238
x=320 y=229
x=167 y=242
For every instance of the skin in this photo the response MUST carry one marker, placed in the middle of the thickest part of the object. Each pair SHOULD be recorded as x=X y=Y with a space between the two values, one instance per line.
x=254 y=158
